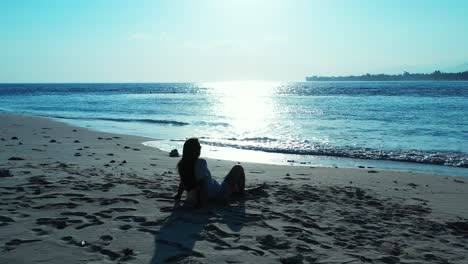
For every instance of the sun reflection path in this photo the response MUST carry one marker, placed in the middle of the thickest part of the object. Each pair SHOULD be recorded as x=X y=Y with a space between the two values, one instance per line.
x=249 y=106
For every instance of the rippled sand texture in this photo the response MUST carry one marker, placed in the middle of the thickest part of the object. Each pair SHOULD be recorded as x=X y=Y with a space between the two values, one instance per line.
x=70 y=195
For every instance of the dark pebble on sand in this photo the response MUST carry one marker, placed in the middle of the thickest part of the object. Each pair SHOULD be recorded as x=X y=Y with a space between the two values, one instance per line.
x=53 y=141
x=372 y=171
x=110 y=154
x=14 y=138
x=124 y=161
x=76 y=141
x=112 y=161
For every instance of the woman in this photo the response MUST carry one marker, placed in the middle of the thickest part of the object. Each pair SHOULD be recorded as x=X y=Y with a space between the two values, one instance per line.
x=196 y=179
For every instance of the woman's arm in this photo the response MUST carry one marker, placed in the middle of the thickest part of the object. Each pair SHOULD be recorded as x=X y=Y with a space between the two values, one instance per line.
x=180 y=191
x=202 y=193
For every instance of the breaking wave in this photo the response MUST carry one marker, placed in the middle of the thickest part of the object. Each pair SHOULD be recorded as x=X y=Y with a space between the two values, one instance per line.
x=455 y=159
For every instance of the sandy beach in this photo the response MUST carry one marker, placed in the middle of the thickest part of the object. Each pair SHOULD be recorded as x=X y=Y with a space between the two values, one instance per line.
x=72 y=195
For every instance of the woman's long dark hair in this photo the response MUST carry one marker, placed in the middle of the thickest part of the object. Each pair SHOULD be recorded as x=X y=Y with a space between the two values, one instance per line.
x=186 y=165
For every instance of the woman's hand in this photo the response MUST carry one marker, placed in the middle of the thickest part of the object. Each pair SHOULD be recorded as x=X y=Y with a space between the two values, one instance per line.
x=180 y=191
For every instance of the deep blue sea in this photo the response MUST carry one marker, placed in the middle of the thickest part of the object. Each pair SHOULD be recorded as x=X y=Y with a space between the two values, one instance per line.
x=416 y=126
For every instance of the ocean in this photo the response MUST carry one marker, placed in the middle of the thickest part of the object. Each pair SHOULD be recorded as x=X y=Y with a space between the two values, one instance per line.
x=409 y=126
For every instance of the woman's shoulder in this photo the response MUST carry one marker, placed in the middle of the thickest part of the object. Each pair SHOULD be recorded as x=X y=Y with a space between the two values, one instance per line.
x=201 y=162
x=201 y=168
x=200 y=165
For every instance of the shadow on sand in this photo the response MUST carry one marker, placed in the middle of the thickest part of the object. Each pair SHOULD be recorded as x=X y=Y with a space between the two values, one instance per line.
x=185 y=227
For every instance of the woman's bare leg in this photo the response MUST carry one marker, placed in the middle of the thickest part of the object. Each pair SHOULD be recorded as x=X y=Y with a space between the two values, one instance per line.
x=236 y=180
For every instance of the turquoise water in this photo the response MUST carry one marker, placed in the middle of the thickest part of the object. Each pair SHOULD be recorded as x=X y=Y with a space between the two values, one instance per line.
x=323 y=123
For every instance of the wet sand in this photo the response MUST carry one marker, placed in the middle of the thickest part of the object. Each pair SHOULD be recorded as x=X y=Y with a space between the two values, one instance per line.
x=71 y=195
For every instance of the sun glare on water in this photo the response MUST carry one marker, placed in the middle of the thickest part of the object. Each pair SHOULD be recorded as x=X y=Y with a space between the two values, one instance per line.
x=247 y=105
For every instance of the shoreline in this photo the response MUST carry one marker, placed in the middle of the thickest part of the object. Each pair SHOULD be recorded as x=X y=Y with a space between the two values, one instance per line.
x=283 y=159
x=80 y=196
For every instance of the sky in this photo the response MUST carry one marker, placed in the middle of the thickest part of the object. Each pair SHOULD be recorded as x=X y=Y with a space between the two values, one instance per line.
x=230 y=40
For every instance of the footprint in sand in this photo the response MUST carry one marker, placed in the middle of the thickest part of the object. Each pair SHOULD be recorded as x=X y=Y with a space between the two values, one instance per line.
x=5 y=220
x=106 y=238
x=12 y=244
x=15 y=158
x=5 y=173
x=40 y=231
x=58 y=223
x=125 y=227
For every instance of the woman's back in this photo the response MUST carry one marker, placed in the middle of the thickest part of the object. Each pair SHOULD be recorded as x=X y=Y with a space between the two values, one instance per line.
x=203 y=174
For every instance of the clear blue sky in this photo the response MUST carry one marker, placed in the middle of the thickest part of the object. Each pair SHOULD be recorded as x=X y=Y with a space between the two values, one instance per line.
x=215 y=40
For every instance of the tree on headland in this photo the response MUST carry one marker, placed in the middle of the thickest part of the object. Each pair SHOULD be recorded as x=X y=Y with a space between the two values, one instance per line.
x=406 y=76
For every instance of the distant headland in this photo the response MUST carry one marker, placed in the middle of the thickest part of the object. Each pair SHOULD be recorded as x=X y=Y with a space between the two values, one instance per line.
x=405 y=76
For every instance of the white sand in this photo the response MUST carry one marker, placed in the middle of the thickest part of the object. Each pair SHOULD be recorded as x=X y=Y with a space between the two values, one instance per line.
x=67 y=202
